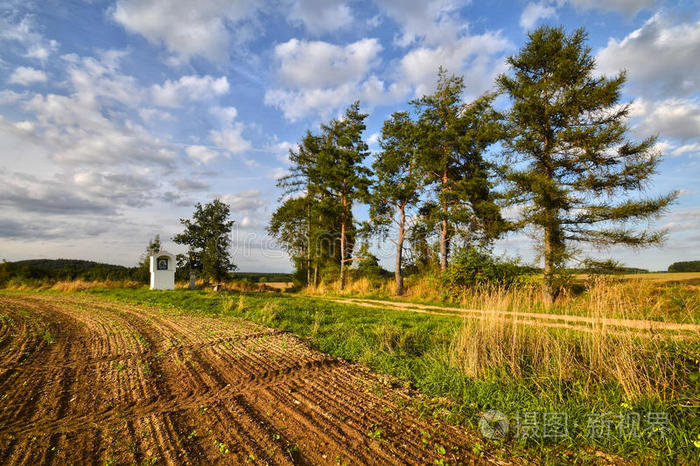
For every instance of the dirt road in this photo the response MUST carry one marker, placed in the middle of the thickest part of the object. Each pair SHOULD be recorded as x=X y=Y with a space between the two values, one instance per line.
x=646 y=328
x=89 y=381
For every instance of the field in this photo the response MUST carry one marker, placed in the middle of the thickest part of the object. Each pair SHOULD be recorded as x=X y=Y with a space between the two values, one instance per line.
x=133 y=376
x=86 y=380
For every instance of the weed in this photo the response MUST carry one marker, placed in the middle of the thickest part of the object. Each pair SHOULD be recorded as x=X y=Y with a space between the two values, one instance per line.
x=222 y=447
x=48 y=337
x=118 y=366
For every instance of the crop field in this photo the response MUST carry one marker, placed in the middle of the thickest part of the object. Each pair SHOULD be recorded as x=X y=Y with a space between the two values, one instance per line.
x=84 y=380
x=132 y=376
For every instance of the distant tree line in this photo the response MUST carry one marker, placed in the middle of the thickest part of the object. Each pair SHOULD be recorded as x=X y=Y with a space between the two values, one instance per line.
x=558 y=159
x=686 y=266
x=63 y=269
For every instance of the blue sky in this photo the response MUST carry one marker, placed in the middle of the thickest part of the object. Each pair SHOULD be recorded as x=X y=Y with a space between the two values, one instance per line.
x=117 y=116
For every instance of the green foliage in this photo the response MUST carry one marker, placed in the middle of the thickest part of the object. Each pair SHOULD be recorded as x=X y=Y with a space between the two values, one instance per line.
x=569 y=163
x=398 y=183
x=327 y=176
x=472 y=267
x=686 y=266
x=368 y=267
x=208 y=238
x=452 y=138
x=52 y=270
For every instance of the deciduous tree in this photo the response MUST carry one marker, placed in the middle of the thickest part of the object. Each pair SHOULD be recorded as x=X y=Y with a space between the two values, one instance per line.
x=208 y=238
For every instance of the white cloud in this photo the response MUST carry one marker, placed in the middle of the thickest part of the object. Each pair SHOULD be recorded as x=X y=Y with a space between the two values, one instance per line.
x=321 y=16
x=42 y=51
x=172 y=93
x=187 y=28
x=100 y=78
x=314 y=64
x=659 y=56
x=629 y=7
x=201 y=153
x=686 y=149
x=675 y=118
x=423 y=21
x=319 y=77
x=230 y=136
x=25 y=76
x=478 y=57
x=245 y=201
x=534 y=12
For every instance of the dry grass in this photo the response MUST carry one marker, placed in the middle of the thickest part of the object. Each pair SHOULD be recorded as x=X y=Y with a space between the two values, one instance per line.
x=75 y=285
x=499 y=346
x=239 y=286
x=606 y=296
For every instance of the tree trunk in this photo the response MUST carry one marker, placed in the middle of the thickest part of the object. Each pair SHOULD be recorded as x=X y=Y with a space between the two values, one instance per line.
x=316 y=274
x=444 y=240
x=341 y=285
x=553 y=250
x=399 y=253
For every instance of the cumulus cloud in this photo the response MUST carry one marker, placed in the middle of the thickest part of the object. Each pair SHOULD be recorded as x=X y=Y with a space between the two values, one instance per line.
x=312 y=64
x=675 y=118
x=479 y=57
x=244 y=202
x=173 y=93
x=230 y=136
x=188 y=28
x=320 y=16
x=202 y=154
x=319 y=76
x=534 y=12
x=419 y=20
x=25 y=76
x=659 y=57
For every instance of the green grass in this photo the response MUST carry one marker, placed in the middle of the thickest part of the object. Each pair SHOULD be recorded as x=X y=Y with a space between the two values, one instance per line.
x=413 y=347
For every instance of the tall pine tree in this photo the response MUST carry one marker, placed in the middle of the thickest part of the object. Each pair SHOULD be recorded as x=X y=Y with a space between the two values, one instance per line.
x=453 y=137
x=342 y=177
x=570 y=164
x=398 y=184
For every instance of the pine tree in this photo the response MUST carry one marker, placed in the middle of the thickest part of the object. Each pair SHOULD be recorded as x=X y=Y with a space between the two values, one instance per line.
x=398 y=183
x=342 y=177
x=453 y=137
x=570 y=164
x=208 y=237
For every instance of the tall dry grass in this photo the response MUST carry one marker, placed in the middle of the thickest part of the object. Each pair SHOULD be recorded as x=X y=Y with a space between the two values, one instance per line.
x=73 y=285
x=584 y=357
x=607 y=296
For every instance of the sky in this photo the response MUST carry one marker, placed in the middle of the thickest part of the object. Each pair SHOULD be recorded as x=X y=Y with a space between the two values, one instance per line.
x=116 y=117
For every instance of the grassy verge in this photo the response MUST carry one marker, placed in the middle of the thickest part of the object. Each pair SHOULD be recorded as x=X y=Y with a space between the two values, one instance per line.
x=597 y=296
x=535 y=376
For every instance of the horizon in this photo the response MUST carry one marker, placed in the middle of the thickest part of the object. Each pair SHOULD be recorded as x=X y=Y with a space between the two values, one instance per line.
x=114 y=121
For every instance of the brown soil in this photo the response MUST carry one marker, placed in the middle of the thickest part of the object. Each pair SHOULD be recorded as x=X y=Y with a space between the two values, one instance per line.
x=646 y=328
x=89 y=381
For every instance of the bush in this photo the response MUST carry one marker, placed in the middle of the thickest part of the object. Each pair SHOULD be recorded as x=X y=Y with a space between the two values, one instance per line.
x=471 y=267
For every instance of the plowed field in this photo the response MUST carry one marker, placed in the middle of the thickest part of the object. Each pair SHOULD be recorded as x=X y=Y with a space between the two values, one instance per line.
x=89 y=381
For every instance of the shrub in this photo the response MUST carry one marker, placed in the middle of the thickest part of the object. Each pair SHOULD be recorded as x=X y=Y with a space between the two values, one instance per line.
x=471 y=267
